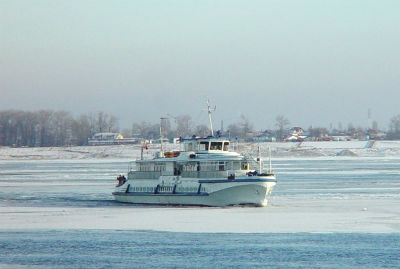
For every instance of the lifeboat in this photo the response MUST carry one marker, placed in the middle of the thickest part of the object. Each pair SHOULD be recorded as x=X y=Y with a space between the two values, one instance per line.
x=171 y=154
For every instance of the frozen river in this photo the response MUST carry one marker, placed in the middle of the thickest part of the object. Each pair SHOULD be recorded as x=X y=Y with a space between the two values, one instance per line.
x=312 y=195
x=320 y=209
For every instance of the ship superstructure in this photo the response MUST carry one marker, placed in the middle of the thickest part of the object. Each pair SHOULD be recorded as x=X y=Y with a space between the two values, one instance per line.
x=205 y=172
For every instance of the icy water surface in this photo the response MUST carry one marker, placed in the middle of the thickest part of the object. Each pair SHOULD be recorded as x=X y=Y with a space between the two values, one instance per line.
x=323 y=213
x=90 y=183
x=59 y=183
x=147 y=249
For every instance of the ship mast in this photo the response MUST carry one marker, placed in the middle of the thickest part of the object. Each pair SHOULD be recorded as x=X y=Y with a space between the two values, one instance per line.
x=209 y=116
x=161 y=137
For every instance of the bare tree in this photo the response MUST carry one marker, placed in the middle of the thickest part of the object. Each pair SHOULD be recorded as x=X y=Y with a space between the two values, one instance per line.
x=61 y=128
x=141 y=128
x=44 y=130
x=146 y=130
x=112 y=124
x=245 y=125
x=184 y=126
x=101 y=122
x=49 y=128
x=317 y=133
x=234 y=130
x=81 y=130
x=281 y=124
x=202 y=130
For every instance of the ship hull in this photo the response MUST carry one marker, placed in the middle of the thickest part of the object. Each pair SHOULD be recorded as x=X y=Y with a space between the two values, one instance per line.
x=221 y=193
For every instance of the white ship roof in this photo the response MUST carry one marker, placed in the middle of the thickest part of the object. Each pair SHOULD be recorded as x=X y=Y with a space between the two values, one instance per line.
x=208 y=148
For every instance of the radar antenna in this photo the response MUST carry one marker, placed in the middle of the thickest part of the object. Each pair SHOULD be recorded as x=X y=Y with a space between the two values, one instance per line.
x=209 y=109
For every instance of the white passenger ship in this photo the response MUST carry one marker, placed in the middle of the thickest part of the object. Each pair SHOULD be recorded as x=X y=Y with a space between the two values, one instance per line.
x=204 y=173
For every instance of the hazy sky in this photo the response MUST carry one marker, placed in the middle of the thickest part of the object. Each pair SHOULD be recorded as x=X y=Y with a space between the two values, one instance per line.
x=316 y=62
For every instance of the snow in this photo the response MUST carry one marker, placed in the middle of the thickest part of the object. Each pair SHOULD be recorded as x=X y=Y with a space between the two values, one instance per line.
x=331 y=215
x=287 y=149
x=301 y=202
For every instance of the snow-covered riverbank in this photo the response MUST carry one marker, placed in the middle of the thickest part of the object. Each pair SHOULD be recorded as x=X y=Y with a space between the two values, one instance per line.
x=298 y=150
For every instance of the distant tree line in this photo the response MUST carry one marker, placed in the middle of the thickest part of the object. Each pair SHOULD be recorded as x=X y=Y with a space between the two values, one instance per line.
x=52 y=128
x=60 y=128
x=183 y=126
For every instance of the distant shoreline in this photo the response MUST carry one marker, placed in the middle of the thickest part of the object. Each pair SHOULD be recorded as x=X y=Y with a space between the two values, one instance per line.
x=278 y=150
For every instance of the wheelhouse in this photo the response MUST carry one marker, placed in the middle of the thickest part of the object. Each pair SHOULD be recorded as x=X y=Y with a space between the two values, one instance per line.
x=206 y=145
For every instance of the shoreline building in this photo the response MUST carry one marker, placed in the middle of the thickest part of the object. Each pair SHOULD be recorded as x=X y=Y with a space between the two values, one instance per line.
x=101 y=139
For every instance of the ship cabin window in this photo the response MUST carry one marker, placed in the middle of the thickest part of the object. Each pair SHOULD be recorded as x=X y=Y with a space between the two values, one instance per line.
x=221 y=166
x=226 y=144
x=204 y=145
x=216 y=146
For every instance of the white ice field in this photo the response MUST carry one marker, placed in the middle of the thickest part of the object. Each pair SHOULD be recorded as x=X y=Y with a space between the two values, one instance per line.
x=322 y=187
x=303 y=150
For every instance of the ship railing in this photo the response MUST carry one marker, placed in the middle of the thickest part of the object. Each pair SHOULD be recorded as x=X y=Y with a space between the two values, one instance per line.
x=187 y=174
x=145 y=174
x=205 y=174
x=131 y=166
